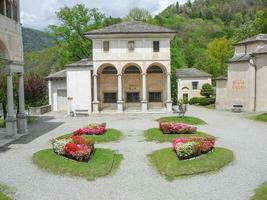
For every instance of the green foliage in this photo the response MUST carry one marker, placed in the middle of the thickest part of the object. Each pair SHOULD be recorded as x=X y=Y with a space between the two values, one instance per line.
x=102 y=163
x=111 y=135
x=138 y=14
x=43 y=62
x=35 y=40
x=186 y=120
x=155 y=135
x=261 y=192
x=194 y=100
x=262 y=117
x=70 y=34
x=206 y=101
x=168 y=165
x=207 y=90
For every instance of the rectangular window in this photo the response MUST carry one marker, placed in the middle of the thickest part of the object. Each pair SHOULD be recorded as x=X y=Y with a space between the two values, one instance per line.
x=110 y=97
x=2 y=7
x=155 y=46
x=154 y=96
x=131 y=45
x=106 y=45
x=8 y=9
x=133 y=97
x=195 y=85
x=15 y=14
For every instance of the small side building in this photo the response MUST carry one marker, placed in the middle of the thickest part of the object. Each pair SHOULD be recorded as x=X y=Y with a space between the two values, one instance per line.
x=190 y=82
x=245 y=84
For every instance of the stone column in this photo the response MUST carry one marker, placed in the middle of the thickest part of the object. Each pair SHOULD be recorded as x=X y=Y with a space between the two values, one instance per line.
x=144 y=90
x=5 y=7
x=50 y=92
x=120 y=101
x=95 y=101
x=22 y=118
x=11 y=121
x=168 y=101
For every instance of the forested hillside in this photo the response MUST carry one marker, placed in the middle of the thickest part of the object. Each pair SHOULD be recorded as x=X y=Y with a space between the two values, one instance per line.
x=35 y=40
x=206 y=31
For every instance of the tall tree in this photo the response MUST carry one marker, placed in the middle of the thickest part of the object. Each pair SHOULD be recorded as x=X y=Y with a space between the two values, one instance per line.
x=139 y=14
x=74 y=23
x=219 y=51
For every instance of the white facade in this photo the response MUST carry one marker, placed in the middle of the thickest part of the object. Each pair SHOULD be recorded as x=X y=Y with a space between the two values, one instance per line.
x=132 y=72
x=245 y=84
x=186 y=89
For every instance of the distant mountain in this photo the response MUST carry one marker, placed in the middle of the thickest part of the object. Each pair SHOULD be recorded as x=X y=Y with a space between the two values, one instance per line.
x=35 y=40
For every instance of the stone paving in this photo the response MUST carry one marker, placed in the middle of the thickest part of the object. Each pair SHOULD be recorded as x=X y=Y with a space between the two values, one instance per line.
x=135 y=179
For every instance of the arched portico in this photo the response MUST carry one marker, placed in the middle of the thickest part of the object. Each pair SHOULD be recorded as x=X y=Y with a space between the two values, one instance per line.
x=156 y=86
x=108 y=87
x=132 y=86
x=11 y=67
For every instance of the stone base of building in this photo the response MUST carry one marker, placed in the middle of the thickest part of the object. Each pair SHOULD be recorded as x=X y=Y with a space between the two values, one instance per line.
x=11 y=127
x=169 y=106
x=144 y=106
x=120 y=106
x=22 y=124
x=96 y=107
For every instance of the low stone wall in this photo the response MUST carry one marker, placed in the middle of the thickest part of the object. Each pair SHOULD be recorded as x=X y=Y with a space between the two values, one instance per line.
x=33 y=111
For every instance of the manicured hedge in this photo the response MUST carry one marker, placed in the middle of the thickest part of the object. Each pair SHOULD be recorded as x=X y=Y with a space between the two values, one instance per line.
x=203 y=101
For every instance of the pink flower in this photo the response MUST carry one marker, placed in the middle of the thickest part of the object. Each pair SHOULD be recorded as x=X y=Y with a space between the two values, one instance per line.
x=179 y=141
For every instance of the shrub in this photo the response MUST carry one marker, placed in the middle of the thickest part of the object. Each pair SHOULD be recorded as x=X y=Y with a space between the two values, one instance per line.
x=186 y=150
x=191 y=147
x=91 y=129
x=76 y=147
x=194 y=100
x=176 y=128
x=206 y=101
x=207 y=90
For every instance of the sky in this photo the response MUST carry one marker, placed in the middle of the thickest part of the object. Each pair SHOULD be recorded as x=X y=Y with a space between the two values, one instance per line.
x=39 y=14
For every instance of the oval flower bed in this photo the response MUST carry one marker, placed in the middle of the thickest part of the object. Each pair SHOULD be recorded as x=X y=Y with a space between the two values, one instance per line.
x=190 y=156
x=97 y=132
x=77 y=156
x=168 y=131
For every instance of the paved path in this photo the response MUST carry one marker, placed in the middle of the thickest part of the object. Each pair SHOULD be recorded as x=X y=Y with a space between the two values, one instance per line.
x=135 y=180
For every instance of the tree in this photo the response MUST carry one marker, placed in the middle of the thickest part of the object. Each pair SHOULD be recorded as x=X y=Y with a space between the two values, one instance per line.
x=207 y=90
x=139 y=14
x=35 y=90
x=70 y=34
x=219 y=51
x=177 y=8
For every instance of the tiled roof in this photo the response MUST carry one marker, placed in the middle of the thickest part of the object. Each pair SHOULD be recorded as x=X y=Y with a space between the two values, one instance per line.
x=58 y=75
x=191 y=73
x=130 y=27
x=259 y=37
x=81 y=63
x=261 y=50
x=222 y=78
x=240 y=58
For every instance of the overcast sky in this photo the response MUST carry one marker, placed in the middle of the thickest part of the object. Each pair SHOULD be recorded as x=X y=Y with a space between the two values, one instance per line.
x=39 y=14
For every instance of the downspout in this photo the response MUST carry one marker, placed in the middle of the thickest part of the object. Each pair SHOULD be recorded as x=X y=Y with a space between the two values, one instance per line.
x=255 y=89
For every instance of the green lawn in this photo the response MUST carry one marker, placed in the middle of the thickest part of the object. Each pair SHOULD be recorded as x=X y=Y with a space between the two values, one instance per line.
x=102 y=163
x=111 y=135
x=155 y=134
x=261 y=192
x=3 y=191
x=262 y=117
x=2 y=124
x=168 y=165
x=186 y=120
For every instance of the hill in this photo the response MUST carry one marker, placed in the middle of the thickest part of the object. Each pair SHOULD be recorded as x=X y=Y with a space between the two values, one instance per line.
x=35 y=40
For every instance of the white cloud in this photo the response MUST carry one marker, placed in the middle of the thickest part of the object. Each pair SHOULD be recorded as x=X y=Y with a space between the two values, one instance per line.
x=40 y=14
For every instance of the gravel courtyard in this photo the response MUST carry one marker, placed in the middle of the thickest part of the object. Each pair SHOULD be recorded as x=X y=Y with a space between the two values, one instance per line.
x=135 y=180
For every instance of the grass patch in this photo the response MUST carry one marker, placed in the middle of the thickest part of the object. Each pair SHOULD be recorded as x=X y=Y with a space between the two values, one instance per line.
x=186 y=120
x=111 y=135
x=2 y=123
x=4 y=192
x=261 y=192
x=168 y=165
x=261 y=117
x=102 y=163
x=155 y=134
